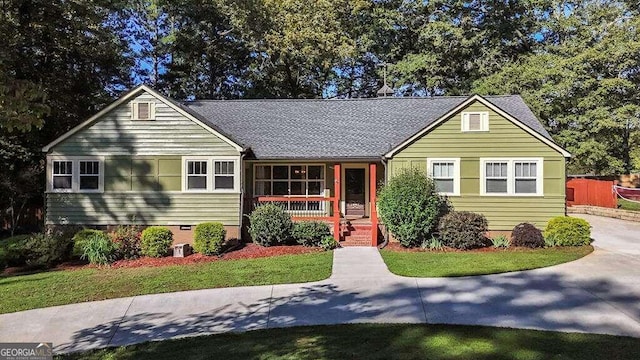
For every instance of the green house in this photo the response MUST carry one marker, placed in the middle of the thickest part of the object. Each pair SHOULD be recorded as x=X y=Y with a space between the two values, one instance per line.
x=150 y=160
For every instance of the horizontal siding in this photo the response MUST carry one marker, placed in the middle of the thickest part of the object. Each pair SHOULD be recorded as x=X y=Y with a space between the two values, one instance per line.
x=503 y=213
x=148 y=208
x=170 y=133
x=504 y=139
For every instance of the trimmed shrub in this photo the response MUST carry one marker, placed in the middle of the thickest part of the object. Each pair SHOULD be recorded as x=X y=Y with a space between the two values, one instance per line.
x=13 y=251
x=209 y=238
x=156 y=241
x=80 y=239
x=47 y=250
x=500 y=241
x=410 y=207
x=310 y=233
x=568 y=231
x=270 y=225
x=98 y=248
x=527 y=235
x=463 y=230
x=329 y=243
x=127 y=242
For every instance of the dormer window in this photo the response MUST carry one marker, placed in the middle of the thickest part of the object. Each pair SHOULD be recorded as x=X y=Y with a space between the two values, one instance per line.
x=475 y=121
x=143 y=111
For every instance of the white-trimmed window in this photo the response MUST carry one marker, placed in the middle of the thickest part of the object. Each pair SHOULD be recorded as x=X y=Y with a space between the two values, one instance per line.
x=205 y=174
x=76 y=175
x=446 y=174
x=475 y=121
x=89 y=175
x=197 y=175
x=62 y=175
x=297 y=180
x=143 y=110
x=223 y=176
x=511 y=177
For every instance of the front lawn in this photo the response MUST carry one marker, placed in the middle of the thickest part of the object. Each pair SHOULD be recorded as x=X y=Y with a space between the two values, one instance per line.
x=381 y=341
x=443 y=264
x=60 y=287
x=628 y=205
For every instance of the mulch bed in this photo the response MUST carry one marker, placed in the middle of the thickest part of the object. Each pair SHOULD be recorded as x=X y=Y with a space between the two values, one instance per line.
x=395 y=246
x=246 y=251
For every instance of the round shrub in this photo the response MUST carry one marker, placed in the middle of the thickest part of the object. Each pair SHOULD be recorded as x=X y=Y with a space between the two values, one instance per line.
x=127 y=242
x=527 y=235
x=310 y=233
x=13 y=251
x=410 y=207
x=80 y=239
x=270 y=225
x=98 y=248
x=329 y=243
x=47 y=249
x=209 y=238
x=156 y=241
x=463 y=230
x=568 y=231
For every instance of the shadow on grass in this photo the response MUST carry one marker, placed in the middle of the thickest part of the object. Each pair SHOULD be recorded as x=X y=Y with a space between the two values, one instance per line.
x=529 y=300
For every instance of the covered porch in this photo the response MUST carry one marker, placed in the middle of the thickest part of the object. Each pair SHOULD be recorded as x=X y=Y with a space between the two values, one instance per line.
x=340 y=193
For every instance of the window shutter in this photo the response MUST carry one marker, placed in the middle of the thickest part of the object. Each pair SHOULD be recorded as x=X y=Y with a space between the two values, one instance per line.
x=485 y=121
x=134 y=111
x=465 y=121
x=152 y=111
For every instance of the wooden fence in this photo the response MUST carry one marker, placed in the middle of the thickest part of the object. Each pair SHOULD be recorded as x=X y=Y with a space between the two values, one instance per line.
x=591 y=192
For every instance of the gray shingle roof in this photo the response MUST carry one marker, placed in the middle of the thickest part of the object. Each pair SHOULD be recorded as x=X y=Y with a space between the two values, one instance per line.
x=314 y=129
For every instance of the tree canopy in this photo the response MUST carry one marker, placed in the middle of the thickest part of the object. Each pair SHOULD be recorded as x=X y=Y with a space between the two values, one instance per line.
x=575 y=62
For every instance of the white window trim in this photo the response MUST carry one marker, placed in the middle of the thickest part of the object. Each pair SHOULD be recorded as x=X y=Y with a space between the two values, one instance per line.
x=484 y=121
x=134 y=110
x=75 y=175
x=456 y=173
x=210 y=178
x=289 y=179
x=511 y=176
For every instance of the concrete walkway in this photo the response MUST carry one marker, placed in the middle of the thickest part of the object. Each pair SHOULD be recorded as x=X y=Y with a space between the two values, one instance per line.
x=599 y=293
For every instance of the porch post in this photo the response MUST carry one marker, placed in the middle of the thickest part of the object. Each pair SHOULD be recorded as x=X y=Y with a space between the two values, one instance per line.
x=373 y=212
x=336 y=201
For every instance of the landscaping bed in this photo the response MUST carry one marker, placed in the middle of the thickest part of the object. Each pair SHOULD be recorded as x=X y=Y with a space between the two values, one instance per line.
x=416 y=262
x=381 y=341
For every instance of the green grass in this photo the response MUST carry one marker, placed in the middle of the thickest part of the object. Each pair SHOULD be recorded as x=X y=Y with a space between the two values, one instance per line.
x=628 y=205
x=442 y=264
x=72 y=286
x=381 y=341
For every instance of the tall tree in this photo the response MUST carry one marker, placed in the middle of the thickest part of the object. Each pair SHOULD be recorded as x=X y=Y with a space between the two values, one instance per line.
x=584 y=82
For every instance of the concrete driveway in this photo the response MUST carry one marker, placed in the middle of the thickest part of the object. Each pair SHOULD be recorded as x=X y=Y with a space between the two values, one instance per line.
x=599 y=294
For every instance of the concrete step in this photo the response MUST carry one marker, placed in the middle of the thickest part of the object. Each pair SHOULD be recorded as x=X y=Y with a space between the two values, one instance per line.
x=355 y=243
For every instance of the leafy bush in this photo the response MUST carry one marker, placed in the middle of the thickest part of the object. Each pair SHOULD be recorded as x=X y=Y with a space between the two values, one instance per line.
x=156 y=241
x=527 y=235
x=568 y=231
x=463 y=230
x=270 y=225
x=47 y=250
x=329 y=243
x=127 y=242
x=310 y=233
x=432 y=244
x=98 y=248
x=410 y=207
x=549 y=241
x=500 y=241
x=209 y=238
x=79 y=240
x=13 y=251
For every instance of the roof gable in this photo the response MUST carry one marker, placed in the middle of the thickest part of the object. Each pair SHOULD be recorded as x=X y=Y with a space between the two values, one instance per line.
x=130 y=96
x=526 y=121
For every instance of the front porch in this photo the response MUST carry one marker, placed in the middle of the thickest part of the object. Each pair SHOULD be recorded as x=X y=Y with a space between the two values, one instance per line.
x=342 y=194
